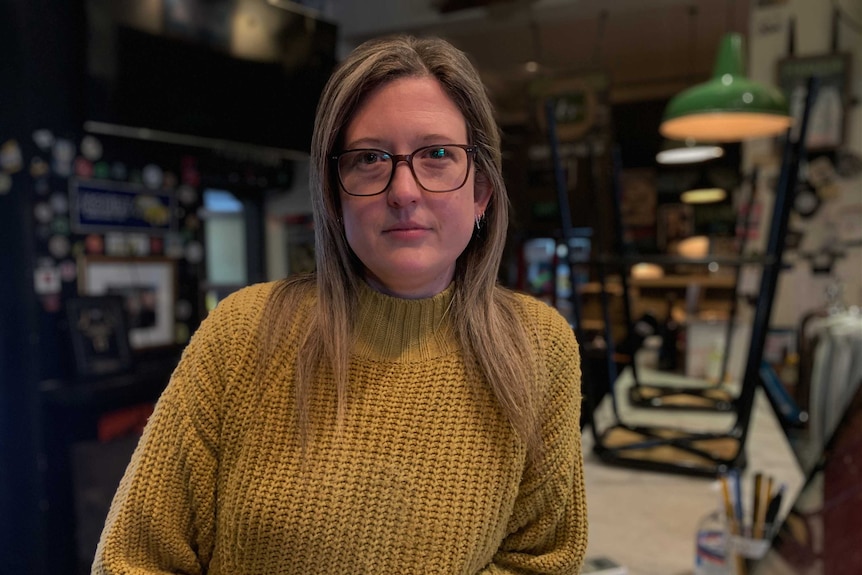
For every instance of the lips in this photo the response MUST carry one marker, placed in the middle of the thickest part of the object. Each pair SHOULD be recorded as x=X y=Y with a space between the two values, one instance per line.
x=405 y=227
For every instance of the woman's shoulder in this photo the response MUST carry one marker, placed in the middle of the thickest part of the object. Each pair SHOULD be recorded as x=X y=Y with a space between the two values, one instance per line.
x=255 y=297
x=535 y=310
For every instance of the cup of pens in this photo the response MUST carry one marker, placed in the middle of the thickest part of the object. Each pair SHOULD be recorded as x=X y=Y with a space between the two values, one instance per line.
x=739 y=533
x=749 y=527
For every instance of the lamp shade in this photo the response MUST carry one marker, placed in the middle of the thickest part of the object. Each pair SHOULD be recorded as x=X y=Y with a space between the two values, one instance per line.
x=687 y=152
x=729 y=107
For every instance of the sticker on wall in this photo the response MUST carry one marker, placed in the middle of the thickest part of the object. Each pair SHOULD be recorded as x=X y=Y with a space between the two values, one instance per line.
x=119 y=171
x=43 y=139
x=38 y=167
x=60 y=226
x=152 y=176
x=63 y=154
x=83 y=167
x=170 y=181
x=46 y=280
x=91 y=148
x=5 y=183
x=43 y=213
x=68 y=271
x=189 y=173
x=59 y=202
x=11 y=161
x=101 y=170
x=187 y=195
x=157 y=245
x=139 y=244
x=59 y=246
x=115 y=244
x=194 y=252
x=94 y=244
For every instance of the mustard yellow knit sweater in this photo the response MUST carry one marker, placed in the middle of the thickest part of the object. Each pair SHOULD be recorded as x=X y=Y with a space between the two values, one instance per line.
x=425 y=475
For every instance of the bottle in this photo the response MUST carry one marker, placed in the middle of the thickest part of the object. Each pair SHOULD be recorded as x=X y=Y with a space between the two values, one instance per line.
x=710 y=556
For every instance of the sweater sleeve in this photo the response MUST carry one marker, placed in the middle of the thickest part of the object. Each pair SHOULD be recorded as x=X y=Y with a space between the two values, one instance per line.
x=162 y=518
x=547 y=532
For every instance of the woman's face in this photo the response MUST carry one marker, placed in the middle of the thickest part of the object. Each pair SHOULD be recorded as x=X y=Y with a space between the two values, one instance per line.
x=408 y=238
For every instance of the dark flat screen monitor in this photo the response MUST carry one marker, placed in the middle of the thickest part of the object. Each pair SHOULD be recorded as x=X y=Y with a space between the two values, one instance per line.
x=246 y=71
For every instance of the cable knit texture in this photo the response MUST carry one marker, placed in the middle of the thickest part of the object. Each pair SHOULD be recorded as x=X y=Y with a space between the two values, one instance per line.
x=425 y=475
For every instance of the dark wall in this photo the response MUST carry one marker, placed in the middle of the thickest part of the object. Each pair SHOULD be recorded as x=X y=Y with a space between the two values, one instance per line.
x=41 y=45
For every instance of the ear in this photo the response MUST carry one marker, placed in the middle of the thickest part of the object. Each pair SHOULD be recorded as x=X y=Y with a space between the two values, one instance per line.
x=482 y=192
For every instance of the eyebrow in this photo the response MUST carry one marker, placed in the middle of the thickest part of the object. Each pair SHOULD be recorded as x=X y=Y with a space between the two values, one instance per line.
x=426 y=140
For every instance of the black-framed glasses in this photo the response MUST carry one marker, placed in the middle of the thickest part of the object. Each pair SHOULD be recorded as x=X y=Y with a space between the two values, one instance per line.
x=438 y=168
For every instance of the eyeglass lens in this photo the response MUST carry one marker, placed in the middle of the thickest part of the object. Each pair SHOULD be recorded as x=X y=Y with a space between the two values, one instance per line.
x=367 y=172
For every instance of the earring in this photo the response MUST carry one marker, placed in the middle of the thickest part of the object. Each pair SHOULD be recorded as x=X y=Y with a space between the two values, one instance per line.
x=479 y=218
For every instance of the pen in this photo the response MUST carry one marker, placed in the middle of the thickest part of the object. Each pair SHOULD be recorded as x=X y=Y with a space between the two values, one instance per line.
x=755 y=505
x=728 y=506
x=774 y=506
x=737 y=497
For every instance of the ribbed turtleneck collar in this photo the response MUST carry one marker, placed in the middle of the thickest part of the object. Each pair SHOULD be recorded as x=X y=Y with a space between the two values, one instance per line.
x=390 y=328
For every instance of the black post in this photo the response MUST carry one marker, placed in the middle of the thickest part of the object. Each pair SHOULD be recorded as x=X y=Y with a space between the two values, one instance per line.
x=772 y=266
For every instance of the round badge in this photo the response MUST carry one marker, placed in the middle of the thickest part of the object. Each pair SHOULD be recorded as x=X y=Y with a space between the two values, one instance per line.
x=68 y=271
x=58 y=246
x=94 y=244
x=83 y=167
x=38 y=167
x=194 y=252
x=91 y=148
x=59 y=202
x=187 y=195
x=63 y=156
x=44 y=139
x=11 y=160
x=102 y=170
x=5 y=183
x=43 y=213
x=152 y=176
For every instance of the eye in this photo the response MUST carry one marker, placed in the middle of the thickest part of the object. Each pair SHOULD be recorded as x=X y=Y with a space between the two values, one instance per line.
x=371 y=157
x=440 y=153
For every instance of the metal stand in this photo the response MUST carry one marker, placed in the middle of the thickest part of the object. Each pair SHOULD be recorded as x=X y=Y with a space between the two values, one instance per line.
x=709 y=454
x=715 y=397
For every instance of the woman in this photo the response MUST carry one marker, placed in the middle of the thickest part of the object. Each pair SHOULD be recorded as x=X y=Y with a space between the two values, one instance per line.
x=396 y=411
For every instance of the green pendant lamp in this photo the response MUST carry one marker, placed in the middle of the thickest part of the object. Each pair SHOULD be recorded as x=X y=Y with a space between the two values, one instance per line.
x=729 y=107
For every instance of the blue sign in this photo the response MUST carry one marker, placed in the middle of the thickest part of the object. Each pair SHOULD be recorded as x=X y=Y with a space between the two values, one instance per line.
x=99 y=206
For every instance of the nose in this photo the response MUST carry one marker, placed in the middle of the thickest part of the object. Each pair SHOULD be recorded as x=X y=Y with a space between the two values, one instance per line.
x=403 y=188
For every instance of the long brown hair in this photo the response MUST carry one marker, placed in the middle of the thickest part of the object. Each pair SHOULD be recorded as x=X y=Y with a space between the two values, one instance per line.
x=486 y=322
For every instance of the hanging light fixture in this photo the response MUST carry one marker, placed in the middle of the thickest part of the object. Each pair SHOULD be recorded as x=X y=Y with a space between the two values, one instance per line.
x=703 y=195
x=687 y=152
x=729 y=107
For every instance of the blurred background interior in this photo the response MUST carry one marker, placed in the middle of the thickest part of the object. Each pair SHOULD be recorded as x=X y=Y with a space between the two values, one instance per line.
x=154 y=158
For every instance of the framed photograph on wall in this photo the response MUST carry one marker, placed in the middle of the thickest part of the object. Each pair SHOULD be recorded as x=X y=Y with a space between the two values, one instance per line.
x=148 y=290
x=99 y=335
x=827 y=123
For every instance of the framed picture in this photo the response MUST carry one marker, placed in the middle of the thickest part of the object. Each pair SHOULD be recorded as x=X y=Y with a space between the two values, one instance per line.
x=147 y=287
x=827 y=123
x=99 y=334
